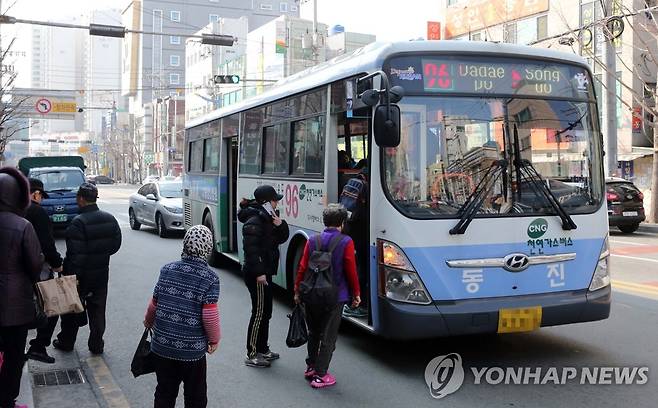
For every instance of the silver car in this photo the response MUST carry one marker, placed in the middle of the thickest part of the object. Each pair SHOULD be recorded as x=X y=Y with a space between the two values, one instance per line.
x=159 y=205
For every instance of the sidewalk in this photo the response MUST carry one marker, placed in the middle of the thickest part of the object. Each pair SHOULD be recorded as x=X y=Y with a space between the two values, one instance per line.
x=649 y=228
x=26 y=397
x=63 y=384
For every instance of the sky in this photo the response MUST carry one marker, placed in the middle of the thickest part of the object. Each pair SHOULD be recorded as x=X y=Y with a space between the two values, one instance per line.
x=389 y=20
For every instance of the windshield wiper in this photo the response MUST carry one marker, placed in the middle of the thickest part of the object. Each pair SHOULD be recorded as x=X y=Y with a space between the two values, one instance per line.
x=539 y=184
x=474 y=201
x=60 y=190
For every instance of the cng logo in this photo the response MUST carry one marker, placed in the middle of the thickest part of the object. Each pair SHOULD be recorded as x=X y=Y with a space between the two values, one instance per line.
x=537 y=228
x=444 y=375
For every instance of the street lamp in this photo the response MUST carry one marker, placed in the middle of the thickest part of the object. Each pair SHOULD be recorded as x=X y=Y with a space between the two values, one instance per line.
x=105 y=30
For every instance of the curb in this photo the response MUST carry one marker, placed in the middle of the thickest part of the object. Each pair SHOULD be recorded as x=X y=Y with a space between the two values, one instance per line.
x=26 y=395
x=647 y=227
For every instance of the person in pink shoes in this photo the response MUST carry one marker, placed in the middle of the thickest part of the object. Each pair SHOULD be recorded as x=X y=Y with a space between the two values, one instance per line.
x=323 y=320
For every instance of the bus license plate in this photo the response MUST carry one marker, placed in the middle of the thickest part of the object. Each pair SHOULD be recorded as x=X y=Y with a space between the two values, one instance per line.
x=629 y=213
x=519 y=320
x=59 y=217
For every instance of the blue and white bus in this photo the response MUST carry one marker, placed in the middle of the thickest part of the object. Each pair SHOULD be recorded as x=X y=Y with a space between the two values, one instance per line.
x=485 y=216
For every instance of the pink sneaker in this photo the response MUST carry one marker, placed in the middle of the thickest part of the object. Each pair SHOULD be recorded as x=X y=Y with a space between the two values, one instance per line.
x=309 y=373
x=321 y=382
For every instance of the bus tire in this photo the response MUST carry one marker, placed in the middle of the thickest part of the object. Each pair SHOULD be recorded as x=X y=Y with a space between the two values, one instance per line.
x=215 y=258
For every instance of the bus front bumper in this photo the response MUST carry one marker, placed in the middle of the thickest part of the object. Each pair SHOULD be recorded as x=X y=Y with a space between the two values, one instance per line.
x=473 y=316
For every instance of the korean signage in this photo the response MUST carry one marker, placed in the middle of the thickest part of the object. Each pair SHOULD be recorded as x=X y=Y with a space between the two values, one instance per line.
x=479 y=14
x=433 y=30
x=490 y=75
x=637 y=120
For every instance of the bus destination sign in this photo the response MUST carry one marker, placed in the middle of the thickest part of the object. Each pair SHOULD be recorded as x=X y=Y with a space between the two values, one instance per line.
x=505 y=76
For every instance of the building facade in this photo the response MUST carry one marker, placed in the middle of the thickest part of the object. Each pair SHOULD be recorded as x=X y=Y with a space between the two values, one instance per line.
x=203 y=61
x=574 y=27
x=153 y=66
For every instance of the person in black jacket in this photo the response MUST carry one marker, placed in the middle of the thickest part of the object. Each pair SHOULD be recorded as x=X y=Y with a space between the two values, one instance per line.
x=38 y=216
x=262 y=233
x=20 y=266
x=91 y=239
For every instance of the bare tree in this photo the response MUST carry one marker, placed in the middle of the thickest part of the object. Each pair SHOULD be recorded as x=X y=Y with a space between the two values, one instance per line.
x=10 y=104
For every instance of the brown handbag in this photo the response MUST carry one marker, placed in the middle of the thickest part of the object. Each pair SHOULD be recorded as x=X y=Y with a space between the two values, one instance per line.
x=60 y=296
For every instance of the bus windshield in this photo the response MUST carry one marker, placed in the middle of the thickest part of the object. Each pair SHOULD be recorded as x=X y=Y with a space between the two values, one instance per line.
x=449 y=144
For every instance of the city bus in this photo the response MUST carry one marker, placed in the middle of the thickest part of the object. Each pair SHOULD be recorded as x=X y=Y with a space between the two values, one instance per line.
x=485 y=202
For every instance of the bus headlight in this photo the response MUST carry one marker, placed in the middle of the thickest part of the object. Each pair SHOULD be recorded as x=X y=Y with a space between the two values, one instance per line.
x=601 y=276
x=398 y=280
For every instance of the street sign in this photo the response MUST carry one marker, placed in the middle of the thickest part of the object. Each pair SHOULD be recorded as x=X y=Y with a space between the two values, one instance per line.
x=43 y=106
x=65 y=107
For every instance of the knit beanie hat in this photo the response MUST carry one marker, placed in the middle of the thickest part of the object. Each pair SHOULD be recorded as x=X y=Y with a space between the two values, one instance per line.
x=198 y=242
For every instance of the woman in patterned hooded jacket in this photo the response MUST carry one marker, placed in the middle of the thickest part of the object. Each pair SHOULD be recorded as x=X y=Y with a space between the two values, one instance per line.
x=184 y=316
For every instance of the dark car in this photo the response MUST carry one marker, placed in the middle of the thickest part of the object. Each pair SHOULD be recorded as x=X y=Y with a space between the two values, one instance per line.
x=625 y=205
x=103 y=180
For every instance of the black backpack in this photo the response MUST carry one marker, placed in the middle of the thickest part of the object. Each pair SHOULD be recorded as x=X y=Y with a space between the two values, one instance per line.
x=318 y=286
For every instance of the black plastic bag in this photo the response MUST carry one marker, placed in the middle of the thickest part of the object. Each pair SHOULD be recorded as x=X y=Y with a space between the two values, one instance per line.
x=297 y=332
x=143 y=360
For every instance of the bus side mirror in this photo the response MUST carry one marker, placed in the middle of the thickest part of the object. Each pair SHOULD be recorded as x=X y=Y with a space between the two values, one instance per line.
x=385 y=127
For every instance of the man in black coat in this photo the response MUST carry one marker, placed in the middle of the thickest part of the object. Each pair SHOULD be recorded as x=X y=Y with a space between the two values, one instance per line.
x=39 y=219
x=91 y=239
x=262 y=233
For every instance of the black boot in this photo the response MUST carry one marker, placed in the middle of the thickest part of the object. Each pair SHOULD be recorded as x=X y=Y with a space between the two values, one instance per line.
x=39 y=354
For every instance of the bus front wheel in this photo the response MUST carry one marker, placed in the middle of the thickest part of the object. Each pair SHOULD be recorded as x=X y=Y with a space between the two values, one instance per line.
x=214 y=257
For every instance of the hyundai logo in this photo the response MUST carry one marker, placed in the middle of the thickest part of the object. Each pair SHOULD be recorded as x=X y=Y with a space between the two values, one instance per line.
x=59 y=208
x=516 y=262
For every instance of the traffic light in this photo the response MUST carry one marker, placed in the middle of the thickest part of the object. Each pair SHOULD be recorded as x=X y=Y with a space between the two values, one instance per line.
x=226 y=79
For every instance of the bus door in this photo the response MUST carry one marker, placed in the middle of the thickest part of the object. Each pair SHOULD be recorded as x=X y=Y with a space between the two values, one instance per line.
x=232 y=183
x=353 y=146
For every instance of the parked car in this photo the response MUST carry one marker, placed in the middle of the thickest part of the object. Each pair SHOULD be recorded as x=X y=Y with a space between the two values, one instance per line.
x=159 y=205
x=151 y=179
x=103 y=180
x=625 y=205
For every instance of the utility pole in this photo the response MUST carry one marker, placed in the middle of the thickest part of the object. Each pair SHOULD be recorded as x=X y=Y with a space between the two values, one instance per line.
x=610 y=82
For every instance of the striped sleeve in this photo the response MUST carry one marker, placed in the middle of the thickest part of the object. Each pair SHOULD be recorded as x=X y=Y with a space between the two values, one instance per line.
x=149 y=318
x=210 y=315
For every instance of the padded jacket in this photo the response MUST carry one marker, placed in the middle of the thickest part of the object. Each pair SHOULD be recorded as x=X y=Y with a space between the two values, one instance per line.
x=39 y=219
x=260 y=240
x=20 y=252
x=91 y=239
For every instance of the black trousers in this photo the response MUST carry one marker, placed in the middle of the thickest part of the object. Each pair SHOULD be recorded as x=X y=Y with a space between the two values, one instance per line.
x=13 y=346
x=323 y=323
x=261 y=313
x=44 y=335
x=170 y=373
x=95 y=309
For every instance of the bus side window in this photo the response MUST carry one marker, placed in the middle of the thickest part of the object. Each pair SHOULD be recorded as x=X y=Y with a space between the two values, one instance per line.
x=308 y=146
